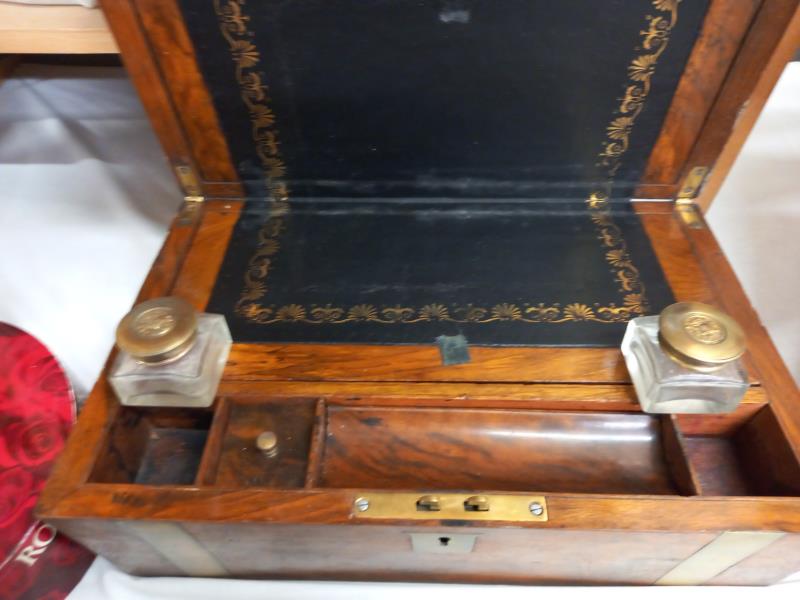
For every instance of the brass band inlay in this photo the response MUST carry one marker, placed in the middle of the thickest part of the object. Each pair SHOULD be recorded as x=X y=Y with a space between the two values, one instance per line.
x=725 y=551
x=255 y=94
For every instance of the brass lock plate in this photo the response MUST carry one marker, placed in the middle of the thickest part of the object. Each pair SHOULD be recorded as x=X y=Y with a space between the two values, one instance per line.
x=460 y=507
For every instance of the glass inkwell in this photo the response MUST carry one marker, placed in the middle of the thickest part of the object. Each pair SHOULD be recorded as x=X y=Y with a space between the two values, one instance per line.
x=686 y=360
x=169 y=355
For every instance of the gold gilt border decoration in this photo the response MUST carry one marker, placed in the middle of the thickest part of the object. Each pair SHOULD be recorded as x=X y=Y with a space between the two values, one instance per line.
x=654 y=40
x=539 y=313
x=255 y=95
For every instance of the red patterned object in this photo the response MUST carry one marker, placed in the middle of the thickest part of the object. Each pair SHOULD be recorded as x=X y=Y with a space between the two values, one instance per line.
x=37 y=410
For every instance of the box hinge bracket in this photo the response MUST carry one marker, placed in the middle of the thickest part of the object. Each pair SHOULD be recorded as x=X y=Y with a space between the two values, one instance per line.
x=690 y=214
x=190 y=183
x=691 y=186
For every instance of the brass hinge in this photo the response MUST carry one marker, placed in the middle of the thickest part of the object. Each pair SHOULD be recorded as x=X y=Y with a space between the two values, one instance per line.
x=190 y=184
x=693 y=183
x=690 y=214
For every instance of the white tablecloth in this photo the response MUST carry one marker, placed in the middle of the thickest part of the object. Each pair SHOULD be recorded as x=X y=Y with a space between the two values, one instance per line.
x=85 y=201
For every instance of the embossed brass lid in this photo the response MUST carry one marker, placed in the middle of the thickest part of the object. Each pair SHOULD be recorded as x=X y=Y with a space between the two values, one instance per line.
x=700 y=336
x=158 y=330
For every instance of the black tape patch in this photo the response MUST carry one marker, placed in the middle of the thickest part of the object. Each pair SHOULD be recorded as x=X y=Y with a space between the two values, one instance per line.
x=454 y=349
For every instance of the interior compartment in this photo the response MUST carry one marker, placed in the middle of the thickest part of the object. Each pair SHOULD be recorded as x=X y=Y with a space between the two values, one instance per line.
x=153 y=447
x=501 y=450
x=329 y=445
x=749 y=458
x=234 y=458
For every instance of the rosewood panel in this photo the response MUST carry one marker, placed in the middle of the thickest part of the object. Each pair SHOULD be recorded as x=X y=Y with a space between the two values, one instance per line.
x=330 y=506
x=153 y=447
x=537 y=396
x=675 y=254
x=109 y=539
x=753 y=459
x=175 y=54
x=378 y=552
x=142 y=67
x=683 y=472
x=724 y=424
x=199 y=270
x=450 y=449
x=774 y=376
x=125 y=444
x=757 y=48
x=716 y=464
x=724 y=27
x=771 y=463
x=340 y=362
x=502 y=556
x=172 y=456
x=787 y=47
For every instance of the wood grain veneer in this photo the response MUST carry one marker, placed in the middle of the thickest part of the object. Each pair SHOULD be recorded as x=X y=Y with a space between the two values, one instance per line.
x=451 y=449
x=617 y=513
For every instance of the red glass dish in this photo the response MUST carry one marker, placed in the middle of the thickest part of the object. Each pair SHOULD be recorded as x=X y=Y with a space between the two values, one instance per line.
x=37 y=410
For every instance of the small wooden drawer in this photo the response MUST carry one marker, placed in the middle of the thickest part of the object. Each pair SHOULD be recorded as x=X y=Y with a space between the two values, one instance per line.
x=233 y=459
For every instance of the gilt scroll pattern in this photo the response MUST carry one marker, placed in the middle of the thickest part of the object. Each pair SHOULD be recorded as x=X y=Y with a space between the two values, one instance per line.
x=654 y=40
x=524 y=313
x=255 y=94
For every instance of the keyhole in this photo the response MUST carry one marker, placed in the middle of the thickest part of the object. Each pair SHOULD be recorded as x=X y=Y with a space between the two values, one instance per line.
x=444 y=541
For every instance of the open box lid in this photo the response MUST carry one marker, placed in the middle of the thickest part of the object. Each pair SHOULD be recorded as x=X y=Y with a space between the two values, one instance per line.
x=517 y=98
x=444 y=98
x=408 y=112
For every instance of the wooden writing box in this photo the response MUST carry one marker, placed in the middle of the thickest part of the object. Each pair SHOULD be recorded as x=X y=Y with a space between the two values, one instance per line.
x=364 y=177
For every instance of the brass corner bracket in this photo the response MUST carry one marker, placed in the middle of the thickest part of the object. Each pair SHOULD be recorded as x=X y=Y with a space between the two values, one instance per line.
x=693 y=183
x=690 y=214
x=190 y=183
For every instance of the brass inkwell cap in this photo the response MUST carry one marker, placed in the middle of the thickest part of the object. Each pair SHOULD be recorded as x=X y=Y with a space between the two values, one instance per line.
x=158 y=330
x=700 y=336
